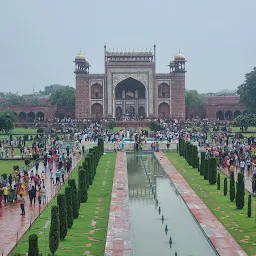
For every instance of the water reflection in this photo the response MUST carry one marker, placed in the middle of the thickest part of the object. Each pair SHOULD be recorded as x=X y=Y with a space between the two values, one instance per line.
x=160 y=221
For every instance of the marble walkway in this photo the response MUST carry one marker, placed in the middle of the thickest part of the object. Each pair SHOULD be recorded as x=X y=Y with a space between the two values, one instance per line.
x=224 y=243
x=12 y=225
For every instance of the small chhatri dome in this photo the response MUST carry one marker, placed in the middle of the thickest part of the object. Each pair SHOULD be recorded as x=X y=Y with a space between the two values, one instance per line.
x=80 y=56
x=179 y=56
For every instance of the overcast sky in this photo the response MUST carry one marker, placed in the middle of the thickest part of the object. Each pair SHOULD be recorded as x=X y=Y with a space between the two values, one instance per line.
x=40 y=38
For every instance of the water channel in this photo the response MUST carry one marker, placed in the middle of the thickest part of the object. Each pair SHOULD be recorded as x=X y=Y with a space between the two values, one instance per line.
x=148 y=231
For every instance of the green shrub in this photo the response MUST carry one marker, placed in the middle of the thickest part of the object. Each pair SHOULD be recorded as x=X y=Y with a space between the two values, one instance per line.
x=54 y=234
x=240 y=191
x=90 y=167
x=27 y=161
x=206 y=168
x=79 y=198
x=40 y=130
x=101 y=145
x=194 y=157
x=16 y=167
x=75 y=205
x=4 y=175
x=202 y=165
x=232 y=189
x=33 y=245
x=225 y=186
x=35 y=156
x=69 y=205
x=82 y=185
x=218 y=182
x=61 y=201
x=249 y=213
x=212 y=171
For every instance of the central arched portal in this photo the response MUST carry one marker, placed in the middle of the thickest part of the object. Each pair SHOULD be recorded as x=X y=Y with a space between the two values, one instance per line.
x=130 y=94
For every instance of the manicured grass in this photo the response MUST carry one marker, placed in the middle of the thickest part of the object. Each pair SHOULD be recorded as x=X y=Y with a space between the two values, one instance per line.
x=6 y=166
x=23 y=130
x=250 y=129
x=242 y=228
x=82 y=236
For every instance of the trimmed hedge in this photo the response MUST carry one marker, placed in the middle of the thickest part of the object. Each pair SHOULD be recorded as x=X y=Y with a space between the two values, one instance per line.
x=82 y=185
x=240 y=193
x=33 y=245
x=69 y=205
x=61 y=201
x=202 y=165
x=54 y=234
x=206 y=168
x=232 y=190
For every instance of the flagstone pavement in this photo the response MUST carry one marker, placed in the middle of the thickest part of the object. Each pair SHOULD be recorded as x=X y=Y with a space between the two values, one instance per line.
x=12 y=225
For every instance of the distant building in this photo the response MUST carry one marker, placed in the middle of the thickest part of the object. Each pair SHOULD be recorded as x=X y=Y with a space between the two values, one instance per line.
x=220 y=107
x=130 y=86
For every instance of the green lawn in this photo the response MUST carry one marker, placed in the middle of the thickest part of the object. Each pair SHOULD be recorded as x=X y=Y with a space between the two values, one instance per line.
x=82 y=236
x=6 y=166
x=250 y=129
x=242 y=228
x=24 y=131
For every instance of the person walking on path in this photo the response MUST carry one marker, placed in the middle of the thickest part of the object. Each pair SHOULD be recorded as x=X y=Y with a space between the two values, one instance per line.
x=5 y=193
x=32 y=195
x=31 y=175
x=37 y=165
x=44 y=195
x=63 y=175
x=10 y=179
x=40 y=194
x=22 y=204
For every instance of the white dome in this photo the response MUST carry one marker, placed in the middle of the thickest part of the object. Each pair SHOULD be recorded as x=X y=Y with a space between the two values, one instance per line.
x=80 y=56
x=179 y=56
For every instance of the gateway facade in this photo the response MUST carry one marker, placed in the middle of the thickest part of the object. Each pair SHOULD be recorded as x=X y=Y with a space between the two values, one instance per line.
x=130 y=87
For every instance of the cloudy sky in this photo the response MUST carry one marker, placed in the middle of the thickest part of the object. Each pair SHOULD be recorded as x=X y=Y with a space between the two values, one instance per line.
x=40 y=39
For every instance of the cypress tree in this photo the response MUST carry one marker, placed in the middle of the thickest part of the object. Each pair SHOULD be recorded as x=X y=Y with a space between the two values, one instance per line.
x=69 y=205
x=240 y=191
x=89 y=169
x=202 y=165
x=54 y=234
x=33 y=245
x=206 y=168
x=190 y=155
x=212 y=171
x=101 y=145
x=82 y=184
x=218 y=182
x=75 y=205
x=249 y=213
x=179 y=147
x=79 y=197
x=61 y=201
x=232 y=189
x=225 y=186
x=87 y=178
x=198 y=165
x=194 y=156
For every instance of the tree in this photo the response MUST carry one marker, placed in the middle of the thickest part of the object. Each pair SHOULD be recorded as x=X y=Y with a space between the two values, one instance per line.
x=192 y=97
x=212 y=171
x=240 y=191
x=249 y=213
x=69 y=205
x=82 y=184
x=75 y=205
x=232 y=189
x=225 y=186
x=194 y=156
x=33 y=245
x=7 y=119
x=244 y=121
x=64 y=97
x=202 y=165
x=61 y=201
x=218 y=182
x=54 y=234
x=35 y=102
x=153 y=126
x=15 y=99
x=206 y=169
x=247 y=91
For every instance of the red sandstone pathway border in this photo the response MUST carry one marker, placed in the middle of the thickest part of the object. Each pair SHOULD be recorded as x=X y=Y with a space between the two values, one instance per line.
x=224 y=243
x=12 y=225
x=118 y=242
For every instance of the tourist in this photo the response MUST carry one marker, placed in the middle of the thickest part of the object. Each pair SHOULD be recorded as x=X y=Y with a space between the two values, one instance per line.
x=39 y=194
x=57 y=174
x=242 y=165
x=32 y=195
x=5 y=193
x=63 y=174
x=1 y=195
x=31 y=175
x=22 y=204
x=10 y=180
x=44 y=195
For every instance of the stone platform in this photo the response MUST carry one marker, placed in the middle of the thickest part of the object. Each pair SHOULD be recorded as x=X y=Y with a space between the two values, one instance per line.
x=118 y=242
x=220 y=238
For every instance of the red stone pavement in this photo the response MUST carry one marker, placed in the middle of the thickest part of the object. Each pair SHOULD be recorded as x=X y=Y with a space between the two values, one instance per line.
x=224 y=243
x=12 y=225
x=118 y=242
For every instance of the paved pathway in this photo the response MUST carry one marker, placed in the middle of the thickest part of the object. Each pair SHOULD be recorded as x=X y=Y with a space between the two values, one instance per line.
x=224 y=243
x=247 y=177
x=12 y=225
x=118 y=242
